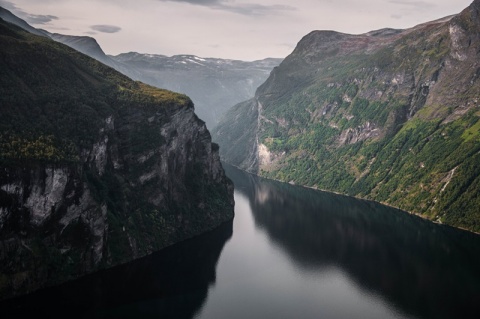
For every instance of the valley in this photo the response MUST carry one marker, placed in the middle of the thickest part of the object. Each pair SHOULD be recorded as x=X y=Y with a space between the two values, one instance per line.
x=187 y=186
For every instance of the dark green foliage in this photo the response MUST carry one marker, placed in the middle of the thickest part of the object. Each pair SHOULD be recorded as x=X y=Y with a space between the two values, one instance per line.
x=64 y=113
x=410 y=171
x=237 y=136
x=39 y=105
x=44 y=148
x=393 y=118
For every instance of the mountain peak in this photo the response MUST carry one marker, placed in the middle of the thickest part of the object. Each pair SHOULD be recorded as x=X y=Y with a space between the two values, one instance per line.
x=322 y=44
x=85 y=44
x=469 y=18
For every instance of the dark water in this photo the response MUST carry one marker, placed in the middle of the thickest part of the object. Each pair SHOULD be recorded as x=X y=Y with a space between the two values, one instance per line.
x=294 y=253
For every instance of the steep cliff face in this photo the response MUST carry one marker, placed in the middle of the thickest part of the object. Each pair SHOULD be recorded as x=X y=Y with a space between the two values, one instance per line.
x=238 y=135
x=96 y=170
x=390 y=115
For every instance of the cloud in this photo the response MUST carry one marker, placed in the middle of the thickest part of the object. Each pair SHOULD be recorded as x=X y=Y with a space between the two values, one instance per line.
x=416 y=4
x=255 y=9
x=8 y=5
x=30 y=18
x=199 y=2
x=40 y=18
x=105 y=28
x=244 y=8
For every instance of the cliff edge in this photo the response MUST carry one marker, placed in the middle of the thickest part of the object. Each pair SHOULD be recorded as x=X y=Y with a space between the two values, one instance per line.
x=95 y=169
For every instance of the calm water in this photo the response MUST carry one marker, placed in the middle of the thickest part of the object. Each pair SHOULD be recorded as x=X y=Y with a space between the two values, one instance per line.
x=290 y=253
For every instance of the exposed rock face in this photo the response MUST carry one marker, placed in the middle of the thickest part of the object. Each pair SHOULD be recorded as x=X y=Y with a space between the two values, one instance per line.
x=115 y=171
x=389 y=115
x=238 y=135
x=361 y=133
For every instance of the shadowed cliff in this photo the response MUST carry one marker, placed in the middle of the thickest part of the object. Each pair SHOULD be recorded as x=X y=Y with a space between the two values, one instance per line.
x=96 y=169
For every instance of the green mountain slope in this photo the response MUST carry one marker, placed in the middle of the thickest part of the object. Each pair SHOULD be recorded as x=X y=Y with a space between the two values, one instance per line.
x=96 y=169
x=391 y=115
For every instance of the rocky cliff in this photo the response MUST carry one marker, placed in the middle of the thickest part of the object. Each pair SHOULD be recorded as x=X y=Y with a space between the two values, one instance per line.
x=390 y=115
x=96 y=169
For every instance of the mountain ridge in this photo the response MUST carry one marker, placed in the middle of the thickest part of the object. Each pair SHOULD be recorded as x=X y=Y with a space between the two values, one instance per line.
x=392 y=117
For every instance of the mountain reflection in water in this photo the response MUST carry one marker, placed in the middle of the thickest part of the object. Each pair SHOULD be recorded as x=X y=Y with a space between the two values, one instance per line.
x=172 y=283
x=420 y=268
x=294 y=253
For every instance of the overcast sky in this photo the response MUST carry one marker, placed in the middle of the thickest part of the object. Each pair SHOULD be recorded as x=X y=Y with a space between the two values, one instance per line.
x=233 y=29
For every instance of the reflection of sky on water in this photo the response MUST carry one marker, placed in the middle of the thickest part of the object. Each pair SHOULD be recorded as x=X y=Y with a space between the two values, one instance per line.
x=256 y=279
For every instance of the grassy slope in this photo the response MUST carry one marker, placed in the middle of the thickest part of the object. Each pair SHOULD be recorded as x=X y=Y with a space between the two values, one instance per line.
x=416 y=93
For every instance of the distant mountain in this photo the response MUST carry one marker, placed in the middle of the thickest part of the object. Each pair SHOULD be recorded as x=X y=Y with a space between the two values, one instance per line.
x=213 y=84
x=96 y=169
x=390 y=115
x=84 y=44
x=89 y=46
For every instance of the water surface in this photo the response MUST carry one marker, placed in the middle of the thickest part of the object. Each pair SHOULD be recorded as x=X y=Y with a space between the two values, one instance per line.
x=300 y=253
x=294 y=253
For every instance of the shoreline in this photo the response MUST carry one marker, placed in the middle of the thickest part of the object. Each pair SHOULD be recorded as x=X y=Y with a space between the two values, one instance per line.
x=359 y=198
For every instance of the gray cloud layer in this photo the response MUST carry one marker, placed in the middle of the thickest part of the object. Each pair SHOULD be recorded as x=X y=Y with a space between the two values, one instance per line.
x=199 y=2
x=105 y=28
x=40 y=18
x=417 y=4
x=30 y=18
x=8 y=5
x=245 y=9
